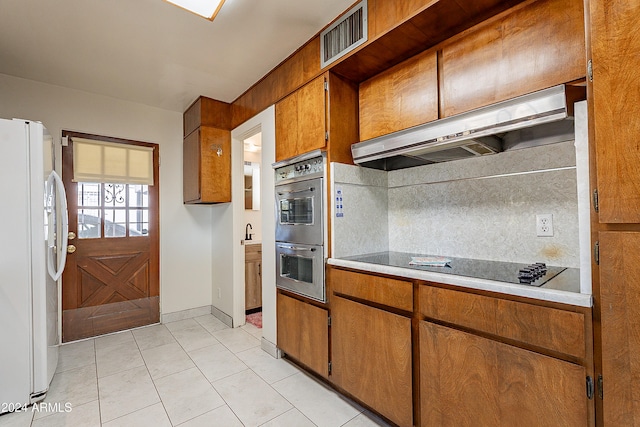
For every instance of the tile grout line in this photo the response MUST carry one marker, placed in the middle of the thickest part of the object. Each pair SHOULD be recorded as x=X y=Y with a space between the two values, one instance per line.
x=152 y=381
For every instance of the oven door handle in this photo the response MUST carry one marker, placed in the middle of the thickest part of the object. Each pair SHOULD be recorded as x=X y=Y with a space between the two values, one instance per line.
x=304 y=190
x=297 y=248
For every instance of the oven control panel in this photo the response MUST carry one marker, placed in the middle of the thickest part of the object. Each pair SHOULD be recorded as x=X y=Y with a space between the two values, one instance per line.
x=303 y=169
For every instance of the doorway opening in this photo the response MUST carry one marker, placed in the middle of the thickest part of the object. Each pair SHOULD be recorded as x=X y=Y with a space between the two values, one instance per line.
x=252 y=157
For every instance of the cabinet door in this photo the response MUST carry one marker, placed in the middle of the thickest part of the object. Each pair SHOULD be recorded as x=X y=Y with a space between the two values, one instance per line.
x=619 y=320
x=469 y=380
x=191 y=167
x=206 y=166
x=371 y=358
x=616 y=84
x=301 y=121
x=253 y=285
x=311 y=116
x=401 y=97
x=286 y=127
x=215 y=147
x=532 y=48
x=303 y=333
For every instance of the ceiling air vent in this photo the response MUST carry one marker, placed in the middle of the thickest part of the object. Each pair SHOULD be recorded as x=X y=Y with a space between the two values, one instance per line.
x=348 y=32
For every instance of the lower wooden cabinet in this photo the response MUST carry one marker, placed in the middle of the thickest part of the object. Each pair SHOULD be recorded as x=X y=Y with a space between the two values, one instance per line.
x=252 y=276
x=371 y=358
x=470 y=380
x=303 y=333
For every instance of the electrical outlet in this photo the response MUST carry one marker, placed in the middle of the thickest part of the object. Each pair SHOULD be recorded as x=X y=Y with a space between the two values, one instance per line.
x=219 y=293
x=544 y=225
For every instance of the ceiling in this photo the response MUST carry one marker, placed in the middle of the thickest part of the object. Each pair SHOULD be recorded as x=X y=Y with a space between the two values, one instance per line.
x=152 y=52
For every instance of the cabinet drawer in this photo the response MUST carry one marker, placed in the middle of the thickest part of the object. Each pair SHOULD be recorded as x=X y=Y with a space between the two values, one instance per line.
x=390 y=292
x=550 y=328
x=253 y=252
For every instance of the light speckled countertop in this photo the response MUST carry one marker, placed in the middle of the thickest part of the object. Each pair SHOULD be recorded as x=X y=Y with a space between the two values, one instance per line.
x=563 y=288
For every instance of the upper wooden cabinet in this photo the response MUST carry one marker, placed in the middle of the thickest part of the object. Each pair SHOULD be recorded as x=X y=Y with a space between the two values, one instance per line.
x=206 y=161
x=401 y=97
x=206 y=112
x=530 y=48
x=301 y=121
x=616 y=107
x=323 y=114
x=207 y=166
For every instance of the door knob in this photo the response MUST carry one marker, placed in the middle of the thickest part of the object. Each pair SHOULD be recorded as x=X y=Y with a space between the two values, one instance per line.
x=71 y=249
x=71 y=235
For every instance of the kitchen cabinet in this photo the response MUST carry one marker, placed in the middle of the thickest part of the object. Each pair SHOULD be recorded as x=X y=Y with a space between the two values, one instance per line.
x=466 y=379
x=401 y=97
x=619 y=303
x=252 y=276
x=548 y=328
x=371 y=355
x=300 y=120
x=615 y=86
x=530 y=48
x=207 y=166
x=206 y=162
x=479 y=355
x=303 y=333
x=614 y=127
x=322 y=114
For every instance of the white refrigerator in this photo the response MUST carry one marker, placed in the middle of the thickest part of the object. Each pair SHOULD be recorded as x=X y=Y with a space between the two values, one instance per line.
x=31 y=261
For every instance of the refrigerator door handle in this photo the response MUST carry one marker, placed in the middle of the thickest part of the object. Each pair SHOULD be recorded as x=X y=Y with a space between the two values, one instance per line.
x=62 y=255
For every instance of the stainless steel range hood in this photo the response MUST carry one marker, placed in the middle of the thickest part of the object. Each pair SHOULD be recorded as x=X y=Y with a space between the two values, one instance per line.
x=535 y=119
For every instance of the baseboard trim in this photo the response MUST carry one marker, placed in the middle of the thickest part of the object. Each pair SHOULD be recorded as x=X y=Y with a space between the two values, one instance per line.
x=270 y=348
x=185 y=314
x=222 y=316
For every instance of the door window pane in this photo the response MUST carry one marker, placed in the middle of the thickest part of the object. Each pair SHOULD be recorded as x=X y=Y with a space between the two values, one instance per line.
x=89 y=225
x=120 y=210
x=115 y=195
x=115 y=223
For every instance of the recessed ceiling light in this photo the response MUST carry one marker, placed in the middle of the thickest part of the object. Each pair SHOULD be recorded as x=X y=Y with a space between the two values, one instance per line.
x=205 y=8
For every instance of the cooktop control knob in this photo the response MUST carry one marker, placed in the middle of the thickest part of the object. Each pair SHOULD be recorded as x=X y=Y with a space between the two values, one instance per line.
x=532 y=272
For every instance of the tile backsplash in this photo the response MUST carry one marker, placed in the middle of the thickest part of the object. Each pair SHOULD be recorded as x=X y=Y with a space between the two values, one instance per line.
x=482 y=208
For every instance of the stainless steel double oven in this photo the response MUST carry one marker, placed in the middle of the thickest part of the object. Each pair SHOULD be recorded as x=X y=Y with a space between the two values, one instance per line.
x=300 y=229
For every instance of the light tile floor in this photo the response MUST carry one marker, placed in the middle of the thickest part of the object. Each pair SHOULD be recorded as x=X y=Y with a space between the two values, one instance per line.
x=188 y=373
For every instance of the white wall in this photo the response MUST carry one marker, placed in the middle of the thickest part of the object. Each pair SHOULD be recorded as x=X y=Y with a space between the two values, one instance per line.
x=185 y=242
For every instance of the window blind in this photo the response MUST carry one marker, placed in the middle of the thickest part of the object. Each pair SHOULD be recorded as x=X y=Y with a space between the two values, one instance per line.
x=100 y=161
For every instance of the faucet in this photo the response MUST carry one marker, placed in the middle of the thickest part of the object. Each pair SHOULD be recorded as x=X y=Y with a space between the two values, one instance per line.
x=247 y=235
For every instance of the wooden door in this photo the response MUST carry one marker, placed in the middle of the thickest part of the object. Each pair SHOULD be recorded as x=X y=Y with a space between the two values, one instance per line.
x=616 y=84
x=533 y=48
x=301 y=120
x=467 y=380
x=371 y=358
x=206 y=166
x=111 y=281
x=620 y=323
x=303 y=333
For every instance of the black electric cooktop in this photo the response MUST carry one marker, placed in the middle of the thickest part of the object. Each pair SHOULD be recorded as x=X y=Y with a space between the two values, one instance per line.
x=523 y=274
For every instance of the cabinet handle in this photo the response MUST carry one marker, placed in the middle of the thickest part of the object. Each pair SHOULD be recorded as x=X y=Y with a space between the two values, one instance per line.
x=259 y=269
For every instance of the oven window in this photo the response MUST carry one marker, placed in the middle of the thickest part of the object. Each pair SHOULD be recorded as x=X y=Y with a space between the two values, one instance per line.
x=296 y=267
x=296 y=211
